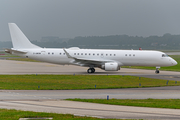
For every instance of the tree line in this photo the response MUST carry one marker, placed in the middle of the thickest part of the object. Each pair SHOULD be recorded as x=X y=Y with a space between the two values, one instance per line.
x=165 y=42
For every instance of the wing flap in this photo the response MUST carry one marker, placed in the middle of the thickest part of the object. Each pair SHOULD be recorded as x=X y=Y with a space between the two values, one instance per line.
x=94 y=60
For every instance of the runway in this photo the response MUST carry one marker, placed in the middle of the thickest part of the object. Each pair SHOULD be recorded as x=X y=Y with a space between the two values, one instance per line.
x=93 y=110
x=52 y=100
x=20 y=67
x=170 y=92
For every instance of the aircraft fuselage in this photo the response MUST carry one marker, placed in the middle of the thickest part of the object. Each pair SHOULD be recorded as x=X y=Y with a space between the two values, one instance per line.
x=122 y=57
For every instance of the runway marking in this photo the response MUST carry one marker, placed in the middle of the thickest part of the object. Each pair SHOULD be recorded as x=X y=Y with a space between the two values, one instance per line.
x=79 y=115
x=96 y=116
x=88 y=116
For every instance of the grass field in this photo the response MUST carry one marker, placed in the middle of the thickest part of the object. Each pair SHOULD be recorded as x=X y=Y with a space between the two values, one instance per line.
x=22 y=59
x=16 y=114
x=8 y=56
x=4 y=54
x=69 y=82
x=155 y=103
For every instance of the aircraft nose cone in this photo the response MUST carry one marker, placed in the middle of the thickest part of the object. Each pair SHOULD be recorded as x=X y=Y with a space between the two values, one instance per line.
x=174 y=62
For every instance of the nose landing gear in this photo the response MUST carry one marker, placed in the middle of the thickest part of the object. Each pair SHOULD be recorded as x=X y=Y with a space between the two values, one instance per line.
x=91 y=70
x=157 y=70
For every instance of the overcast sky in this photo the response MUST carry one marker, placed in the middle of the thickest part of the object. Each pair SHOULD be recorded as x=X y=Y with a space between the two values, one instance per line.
x=71 y=18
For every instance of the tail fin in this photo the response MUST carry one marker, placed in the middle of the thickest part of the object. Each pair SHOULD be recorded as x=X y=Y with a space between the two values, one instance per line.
x=19 y=40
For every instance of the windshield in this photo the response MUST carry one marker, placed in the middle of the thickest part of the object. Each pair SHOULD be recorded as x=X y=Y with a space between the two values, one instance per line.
x=165 y=55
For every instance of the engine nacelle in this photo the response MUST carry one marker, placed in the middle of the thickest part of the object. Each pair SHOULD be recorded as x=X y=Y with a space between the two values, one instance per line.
x=113 y=66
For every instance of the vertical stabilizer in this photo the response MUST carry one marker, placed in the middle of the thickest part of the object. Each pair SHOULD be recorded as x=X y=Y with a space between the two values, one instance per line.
x=19 y=40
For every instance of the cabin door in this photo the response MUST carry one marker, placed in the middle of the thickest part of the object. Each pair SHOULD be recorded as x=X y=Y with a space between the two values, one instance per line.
x=43 y=52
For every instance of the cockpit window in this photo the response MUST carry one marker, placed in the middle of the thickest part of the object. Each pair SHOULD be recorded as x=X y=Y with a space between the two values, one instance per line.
x=165 y=55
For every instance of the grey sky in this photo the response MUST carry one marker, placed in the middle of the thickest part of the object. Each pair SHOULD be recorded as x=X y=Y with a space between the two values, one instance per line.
x=71 y=18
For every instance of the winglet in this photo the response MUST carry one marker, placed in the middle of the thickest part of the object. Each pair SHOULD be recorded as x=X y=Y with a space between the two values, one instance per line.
x=69 y=56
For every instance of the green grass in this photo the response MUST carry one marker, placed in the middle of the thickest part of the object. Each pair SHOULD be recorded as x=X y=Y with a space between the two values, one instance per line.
x=7 y=54
x=23 y=59
x=171 y=68
x=69 y=82
x=155 y=103
x=16 y=114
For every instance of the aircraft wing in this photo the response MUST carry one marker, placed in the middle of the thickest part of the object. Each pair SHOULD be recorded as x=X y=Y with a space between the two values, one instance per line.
x=85 y=61
x=88 y=62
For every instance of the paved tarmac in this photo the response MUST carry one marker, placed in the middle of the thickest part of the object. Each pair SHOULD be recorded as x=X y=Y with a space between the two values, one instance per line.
x=173 y=53
x=51 y=100
x=170 y=92
x=92 y=109
x=20 y=67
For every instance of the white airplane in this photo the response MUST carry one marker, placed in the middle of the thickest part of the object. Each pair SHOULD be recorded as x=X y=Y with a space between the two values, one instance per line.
x=108 y=60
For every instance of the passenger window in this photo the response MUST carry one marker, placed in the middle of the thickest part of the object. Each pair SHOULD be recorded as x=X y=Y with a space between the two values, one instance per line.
x=89 y=53
x=78 y=54
x=114 y=54
x=125 y=54
x=133 y=54
x=64 y=53
x=48 y=53
x=110 y=54
x=97 y=54
x=85 y=53
x=93 y=54
x=81 y=53
x=106 y=54
x=52 y=53
x=74 y=53
x=129 y=54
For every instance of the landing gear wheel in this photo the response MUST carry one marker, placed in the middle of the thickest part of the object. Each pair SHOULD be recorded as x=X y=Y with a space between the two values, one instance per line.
x=91 y=70
x=157 y=71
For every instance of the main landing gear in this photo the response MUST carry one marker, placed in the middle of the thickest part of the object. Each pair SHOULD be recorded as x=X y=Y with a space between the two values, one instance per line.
x=91 y=70
x=157 y=70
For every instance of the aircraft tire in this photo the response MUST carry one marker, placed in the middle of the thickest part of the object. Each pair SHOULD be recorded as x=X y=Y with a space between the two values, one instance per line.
x=93 y=70
x=89 y=71
x=157 y=72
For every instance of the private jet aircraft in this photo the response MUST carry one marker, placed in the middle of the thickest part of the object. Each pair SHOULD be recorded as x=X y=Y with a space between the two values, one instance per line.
x=108 y=60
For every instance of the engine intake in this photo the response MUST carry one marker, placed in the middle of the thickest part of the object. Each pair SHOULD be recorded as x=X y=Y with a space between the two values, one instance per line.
x=111 y=66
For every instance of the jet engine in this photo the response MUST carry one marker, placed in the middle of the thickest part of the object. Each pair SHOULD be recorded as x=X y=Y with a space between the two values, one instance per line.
x=113 y=66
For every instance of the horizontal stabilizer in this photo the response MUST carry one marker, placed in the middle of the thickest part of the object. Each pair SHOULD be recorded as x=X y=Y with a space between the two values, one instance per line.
x=15 y=51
